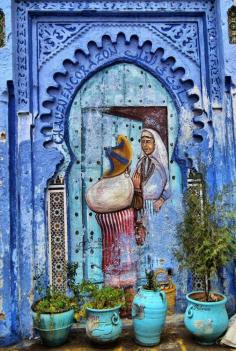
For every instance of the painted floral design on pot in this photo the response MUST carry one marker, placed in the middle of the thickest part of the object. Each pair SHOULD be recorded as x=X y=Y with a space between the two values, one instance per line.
x=103 y=325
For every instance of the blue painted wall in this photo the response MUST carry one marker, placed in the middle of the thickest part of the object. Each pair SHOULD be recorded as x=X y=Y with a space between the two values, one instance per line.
x=46 y=62
x=9 y=326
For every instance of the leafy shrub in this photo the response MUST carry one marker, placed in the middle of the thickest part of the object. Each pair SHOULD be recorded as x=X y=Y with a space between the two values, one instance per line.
x=54 y=302
x=205 y=238
x=104 y=298
x=152 y=283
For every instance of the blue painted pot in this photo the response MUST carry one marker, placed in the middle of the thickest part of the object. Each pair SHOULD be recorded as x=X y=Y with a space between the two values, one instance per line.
x=207 y=321
x=149 y=313
x=103 y=326
x=53 y=328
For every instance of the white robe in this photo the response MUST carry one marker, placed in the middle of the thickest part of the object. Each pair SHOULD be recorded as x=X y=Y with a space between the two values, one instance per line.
x=157 y=185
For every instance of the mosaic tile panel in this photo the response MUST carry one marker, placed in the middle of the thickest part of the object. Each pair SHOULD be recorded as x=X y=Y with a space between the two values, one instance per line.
x=57 y=235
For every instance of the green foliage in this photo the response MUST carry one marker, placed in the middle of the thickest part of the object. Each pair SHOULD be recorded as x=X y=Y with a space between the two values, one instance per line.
x=71 y=275
x=78 y=289
x=205 y=238
x=152 y=283
x=87 y=287
x=54 y=302
x=104 y=298
x=50 y=300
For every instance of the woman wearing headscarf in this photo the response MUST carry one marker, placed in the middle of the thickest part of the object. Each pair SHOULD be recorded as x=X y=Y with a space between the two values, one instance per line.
x=151 y=179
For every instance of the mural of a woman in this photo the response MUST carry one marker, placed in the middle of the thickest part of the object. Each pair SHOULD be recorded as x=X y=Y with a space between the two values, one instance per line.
x=150 y=179
x=111 y=199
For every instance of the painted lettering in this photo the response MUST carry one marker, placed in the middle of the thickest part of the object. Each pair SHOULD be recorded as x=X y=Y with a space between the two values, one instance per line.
x=145 y=56
x=61 y=105
x=131 y=53
x=59 y=125
x=69 y=87
x=99 y=57
x=112 y=50
x=79 y=74
x=58 y=137
x=91 y=64
x=74 y=81
x=171 y=81
x=105 y=53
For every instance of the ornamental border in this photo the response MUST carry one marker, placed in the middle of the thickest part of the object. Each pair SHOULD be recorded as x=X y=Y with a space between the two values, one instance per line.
x=26 y=8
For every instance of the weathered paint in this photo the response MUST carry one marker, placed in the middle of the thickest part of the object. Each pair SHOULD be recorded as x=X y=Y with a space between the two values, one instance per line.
x=131 y=86
x=9 y=326
x=186 y=49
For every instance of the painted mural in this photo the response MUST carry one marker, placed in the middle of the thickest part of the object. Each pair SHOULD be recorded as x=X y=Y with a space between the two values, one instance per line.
x=122 y=202
x=87 y=76
x=124 y=182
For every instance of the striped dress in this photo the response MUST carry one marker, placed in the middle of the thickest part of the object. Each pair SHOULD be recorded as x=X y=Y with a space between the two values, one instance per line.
x=119 y=258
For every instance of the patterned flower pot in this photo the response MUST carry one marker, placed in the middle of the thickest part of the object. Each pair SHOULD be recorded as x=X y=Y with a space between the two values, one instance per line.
x=104 y=325
x=53 y=328
x=149 y=313
x=207 y=321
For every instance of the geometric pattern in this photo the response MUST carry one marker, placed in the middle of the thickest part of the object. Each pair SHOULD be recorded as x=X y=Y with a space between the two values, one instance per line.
x=57 y=229
x=232 y=25
x=197 y=282
x=195 y=184
x=2 y=29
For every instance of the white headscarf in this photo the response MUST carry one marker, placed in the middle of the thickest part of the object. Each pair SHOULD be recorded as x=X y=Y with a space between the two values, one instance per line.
x=159 y=154
x=160 y=158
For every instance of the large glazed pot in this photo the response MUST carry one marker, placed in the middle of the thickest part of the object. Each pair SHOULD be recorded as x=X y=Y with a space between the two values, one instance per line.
x=207 y=321
x=104 y=325
x=53 y=328
x=149 y=313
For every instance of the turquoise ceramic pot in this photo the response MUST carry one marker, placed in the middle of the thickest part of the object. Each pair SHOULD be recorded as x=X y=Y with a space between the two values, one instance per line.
x=207 y=321
x=53 y=328
x=149 y=313
x=103 y=326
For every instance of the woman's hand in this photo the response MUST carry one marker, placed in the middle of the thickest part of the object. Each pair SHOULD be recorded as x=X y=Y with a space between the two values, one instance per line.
x=137 y=180
x=158 y=204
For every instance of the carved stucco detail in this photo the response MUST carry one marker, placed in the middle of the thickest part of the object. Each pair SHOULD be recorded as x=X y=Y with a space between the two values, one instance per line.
x=183 y=36
x=120 y=5
x=60 y=95
x=54 y=37
x=190 y=6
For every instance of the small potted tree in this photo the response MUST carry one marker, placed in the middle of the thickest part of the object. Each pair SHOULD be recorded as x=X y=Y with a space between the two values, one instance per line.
x=53 y=314
x=149 y=312
x=103 y=323
x=205 y=243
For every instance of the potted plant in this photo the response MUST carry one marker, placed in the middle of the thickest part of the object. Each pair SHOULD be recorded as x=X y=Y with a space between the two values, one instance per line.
x=205 y=243
x=149 y=312
x=53 y=315
x=103 y=323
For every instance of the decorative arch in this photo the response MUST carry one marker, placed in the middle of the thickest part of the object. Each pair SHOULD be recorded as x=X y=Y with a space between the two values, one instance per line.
x=84 y=64
x=76 y=71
